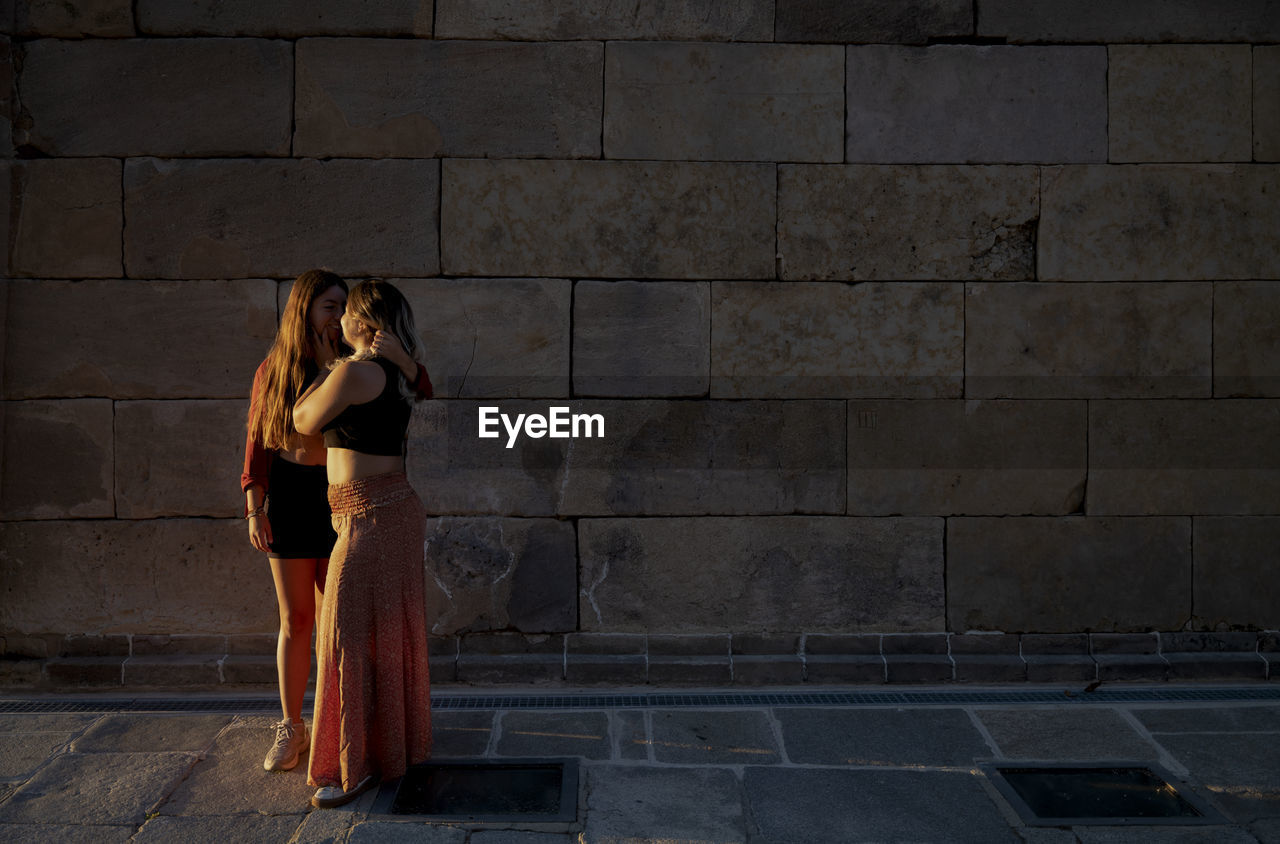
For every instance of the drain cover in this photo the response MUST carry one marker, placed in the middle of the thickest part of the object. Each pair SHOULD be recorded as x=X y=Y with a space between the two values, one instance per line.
x=522 y=790
x=1099 y=793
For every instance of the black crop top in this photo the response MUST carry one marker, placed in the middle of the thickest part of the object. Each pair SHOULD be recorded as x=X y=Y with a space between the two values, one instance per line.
x=377 y=426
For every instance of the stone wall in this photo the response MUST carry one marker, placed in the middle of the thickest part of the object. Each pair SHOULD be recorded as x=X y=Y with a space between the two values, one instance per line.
x=934 y=339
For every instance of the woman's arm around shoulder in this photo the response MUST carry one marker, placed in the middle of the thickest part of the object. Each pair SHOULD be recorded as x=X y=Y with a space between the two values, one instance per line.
x=350 y=382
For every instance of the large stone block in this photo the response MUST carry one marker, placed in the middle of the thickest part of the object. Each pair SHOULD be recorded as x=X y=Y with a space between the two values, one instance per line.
x=576 y=20
x=58 y=459
x=220 y=219
x=635 y=338
x=1044 y=340
x=887 y=223
x=1236 y=579
x=966 y=457
x=1116 y=21
x=1266 y=103
x=159 y=471
x=65 y=218
x=506 y=338
x=724 y=574
x=1246 y=338
x=795 y=339
x=7 y=76
x=656 y=457
x=1210 y=457
x=607 y=219
x=724 y=102
x=152 y=576
x=1055 y=575
x=417 y=99
x=288 y=19
x=501 y=574
x=872 y=21
x=997 y=104
x=175 y=97
x=1180 y=102
x=60 y=19
x=135 y=339
x=1167 y=222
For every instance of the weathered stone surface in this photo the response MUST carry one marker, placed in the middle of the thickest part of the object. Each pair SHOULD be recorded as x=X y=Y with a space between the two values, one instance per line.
x=505 y=338
x=1235 y=581
x=24 y=752
x=65 y=218
x=249 y=827
x=1180 y=102
x=1049 y=104
x=133 y=576
x=698 y=804
x=1211 y=457
x=880 y=737
x=724 y=102
x=290 y=19
x=7 y=77
x=1167 y=222
x=230 y=780
x=395 y=98
x=1126 y=340
x=607 y=219
x=1088 y=574
x=110 y=788
x=724 y=574
x=635 y=338
x=1243 y=764
x=1064 y=733
x=58 y=19
x=497 y=574
x=872 y=21
x=159 y=473
x=58 y=459
x=550 y=734
x=460 y=733
x=121 y=733
x=1109 y=21
x=59 y=343
x=945 y=458
x=147 y=94
x=21 y=833
x=799 y=340
x=688 y=737
x=656 y=457
x=556 y=20
x=1246 y=338
x=232 y=219
x=1266 y=103
x=888 y=223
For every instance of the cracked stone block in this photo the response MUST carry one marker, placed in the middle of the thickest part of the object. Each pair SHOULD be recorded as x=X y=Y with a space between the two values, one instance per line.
x=1159 y=221
x=147 y=91
x=65 y=218
x=818 y=340
x=1127 y=340
x=1142 y=21
x=576 y=20
x=872 y=21
x=58 y=344
x=1180 y=102
x=58 y=459
x=953 y=457
x=288 y=19
x=61 y=19
x=1207 y=457
x=1235 y=582
x=1091 y=573
x=1246 y=339
x=230 y=780
x=903 y=223
x=716 y=574
x=24 y=752
x=247 y=217
x=607 y=219
x=1266 y=103
x=111 y=788
x=634 y=338
x=724 y=102
x=157 y=471
x=1049 y=102
x=397 y=98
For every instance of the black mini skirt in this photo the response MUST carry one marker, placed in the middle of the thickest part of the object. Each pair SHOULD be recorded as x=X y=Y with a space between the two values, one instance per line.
x=298 y=509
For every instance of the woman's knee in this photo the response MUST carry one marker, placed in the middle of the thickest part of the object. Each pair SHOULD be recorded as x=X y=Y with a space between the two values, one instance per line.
x=297 y=623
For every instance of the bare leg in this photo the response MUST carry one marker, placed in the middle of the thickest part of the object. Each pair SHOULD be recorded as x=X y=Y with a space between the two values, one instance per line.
x=297 y=584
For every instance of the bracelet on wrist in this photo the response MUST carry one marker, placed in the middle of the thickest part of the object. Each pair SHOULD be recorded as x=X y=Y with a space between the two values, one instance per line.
x=256 y=511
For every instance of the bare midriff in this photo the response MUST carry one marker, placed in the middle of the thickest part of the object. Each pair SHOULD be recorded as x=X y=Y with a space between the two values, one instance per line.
x=305 y=450
x=347 y=465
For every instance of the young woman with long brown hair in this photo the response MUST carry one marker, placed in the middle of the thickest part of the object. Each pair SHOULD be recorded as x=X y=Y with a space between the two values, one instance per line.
x=285 y=484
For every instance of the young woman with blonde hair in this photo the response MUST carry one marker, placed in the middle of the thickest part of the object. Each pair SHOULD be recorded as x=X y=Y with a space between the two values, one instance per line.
x=285 y=484
x=373 y=709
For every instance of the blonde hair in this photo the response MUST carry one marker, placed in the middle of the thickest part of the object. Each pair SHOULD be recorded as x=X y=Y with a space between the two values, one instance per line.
x=382 y=307
x=286 y=371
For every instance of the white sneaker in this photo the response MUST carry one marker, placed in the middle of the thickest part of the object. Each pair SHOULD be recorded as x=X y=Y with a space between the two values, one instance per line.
x=331 y=796
x=291 y=742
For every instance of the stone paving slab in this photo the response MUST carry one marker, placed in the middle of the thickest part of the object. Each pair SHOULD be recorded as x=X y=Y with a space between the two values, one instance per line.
x=22 y=753
x=1239 y=719
x=535 y=734
x=942 y=737
x=632 y=735
x=507 y=836
x=151 y=733
x=98 y=788
x=702 y=804
x=1162 y=835
x=1063 y=733
x=391 y=832
x=710 y=737
x=242 y=828
x=460 y=733
x=45 y=833
x=1238 y=772
x=32 y=722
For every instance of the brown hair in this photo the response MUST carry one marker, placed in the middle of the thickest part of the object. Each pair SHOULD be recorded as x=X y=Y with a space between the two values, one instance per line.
x=382 y=307
x=285 y=374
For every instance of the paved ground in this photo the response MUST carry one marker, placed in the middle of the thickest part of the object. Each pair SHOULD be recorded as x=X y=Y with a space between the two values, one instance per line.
x=810 y=773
